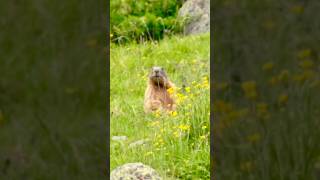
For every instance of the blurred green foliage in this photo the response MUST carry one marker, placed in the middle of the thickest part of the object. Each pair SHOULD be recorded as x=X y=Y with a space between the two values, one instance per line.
x=53 y=89
x=266 y=83
x=132 y=20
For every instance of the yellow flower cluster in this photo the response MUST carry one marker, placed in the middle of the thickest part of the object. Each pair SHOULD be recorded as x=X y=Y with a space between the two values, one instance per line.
x=297 y=9
x=305 y=75
x=174 y=113
x=250 y=89
x=307 y=64
x=254 y=138
x=184 y=127
x=282 y=77
x=268 y=66
x=159 y=141
x=283 y=99
x=304 y=53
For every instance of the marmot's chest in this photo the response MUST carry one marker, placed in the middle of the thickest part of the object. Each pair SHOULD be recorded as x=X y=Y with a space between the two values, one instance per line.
x=162 y=95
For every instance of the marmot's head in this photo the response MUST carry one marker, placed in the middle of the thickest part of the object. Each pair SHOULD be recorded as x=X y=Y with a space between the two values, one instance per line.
x=158 y=76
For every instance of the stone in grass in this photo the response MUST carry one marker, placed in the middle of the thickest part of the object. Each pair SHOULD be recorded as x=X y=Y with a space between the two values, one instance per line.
x=119 y=138
x=138 y=143
x=134 y=171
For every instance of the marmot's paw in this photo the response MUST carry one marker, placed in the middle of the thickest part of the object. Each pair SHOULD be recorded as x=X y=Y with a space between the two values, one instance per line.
x=155 y=105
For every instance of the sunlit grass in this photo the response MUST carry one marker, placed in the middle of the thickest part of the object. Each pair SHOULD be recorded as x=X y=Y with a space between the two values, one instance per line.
x=176 y=143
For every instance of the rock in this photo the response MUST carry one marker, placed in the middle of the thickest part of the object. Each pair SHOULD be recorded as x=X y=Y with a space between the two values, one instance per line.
x=138 y=143
x=119 y=138
x=197 y=13
x=134 y=171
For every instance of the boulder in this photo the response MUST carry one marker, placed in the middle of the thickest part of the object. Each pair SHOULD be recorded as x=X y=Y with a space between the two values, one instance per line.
x=197 y=15
x=134 y=171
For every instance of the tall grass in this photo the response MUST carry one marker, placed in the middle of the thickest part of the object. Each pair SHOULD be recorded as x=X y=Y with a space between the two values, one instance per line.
x=176 y=144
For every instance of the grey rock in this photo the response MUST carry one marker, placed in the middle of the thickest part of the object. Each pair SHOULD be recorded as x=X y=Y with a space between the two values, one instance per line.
x=138 y=143
x=197 y=15
x=119 y=138
x=134 y=171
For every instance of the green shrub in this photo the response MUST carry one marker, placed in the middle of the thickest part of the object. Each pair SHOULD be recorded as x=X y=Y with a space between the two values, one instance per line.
x=143 y=20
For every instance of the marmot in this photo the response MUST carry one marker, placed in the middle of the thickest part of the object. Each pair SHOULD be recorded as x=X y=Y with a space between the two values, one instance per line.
x=156 y=95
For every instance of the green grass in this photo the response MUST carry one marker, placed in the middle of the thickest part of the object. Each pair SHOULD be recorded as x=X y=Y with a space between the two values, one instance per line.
x=52 y=90
x=186 y=60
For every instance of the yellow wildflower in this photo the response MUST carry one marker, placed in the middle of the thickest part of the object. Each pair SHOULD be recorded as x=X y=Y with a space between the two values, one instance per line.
x=187 y=89
x=170 y=90
x=184 y=127
x=249 y=89
x=157 y=113
x=174 y=113
x=304 y=53
x=283 y=76
x=306 y=64
x=204 y=127
x=180 y=98
x=297 y=9
x=305 y=75
x=283 y=99
x=268 y=66
x=254 y=138
x=203 y=137
x=176 y=134
x=273 y=81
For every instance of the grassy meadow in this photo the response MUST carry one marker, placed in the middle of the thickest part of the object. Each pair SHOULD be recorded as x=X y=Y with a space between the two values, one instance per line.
x=175 y=144
x=266 y=90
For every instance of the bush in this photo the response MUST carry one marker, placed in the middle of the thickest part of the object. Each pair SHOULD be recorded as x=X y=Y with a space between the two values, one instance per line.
x=143 y=20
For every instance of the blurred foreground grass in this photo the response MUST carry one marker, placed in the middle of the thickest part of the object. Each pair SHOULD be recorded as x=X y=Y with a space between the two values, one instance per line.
x=52 y=90
x=266 y=71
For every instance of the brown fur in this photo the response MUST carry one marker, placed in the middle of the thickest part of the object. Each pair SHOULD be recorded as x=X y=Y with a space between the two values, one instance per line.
x=156 y=95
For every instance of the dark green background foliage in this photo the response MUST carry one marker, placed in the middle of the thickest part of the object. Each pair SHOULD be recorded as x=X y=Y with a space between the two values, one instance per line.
x=52 y=89
x=247 y=34
x=143 y=20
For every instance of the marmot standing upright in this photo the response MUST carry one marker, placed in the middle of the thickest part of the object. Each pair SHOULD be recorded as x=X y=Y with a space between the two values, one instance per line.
x=156 y=95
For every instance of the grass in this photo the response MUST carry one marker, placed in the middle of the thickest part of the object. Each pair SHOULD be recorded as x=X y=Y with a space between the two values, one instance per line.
x=266 y=88
x=177 y=144
x=52 y=90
